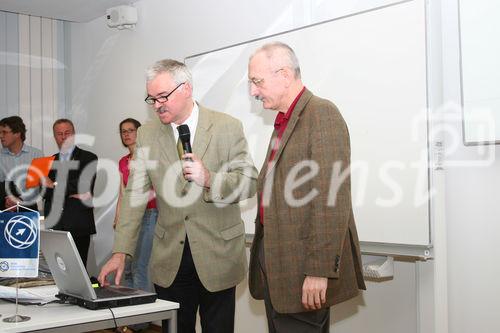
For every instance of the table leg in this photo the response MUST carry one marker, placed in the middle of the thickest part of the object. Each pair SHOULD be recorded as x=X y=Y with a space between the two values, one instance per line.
x=172 y=323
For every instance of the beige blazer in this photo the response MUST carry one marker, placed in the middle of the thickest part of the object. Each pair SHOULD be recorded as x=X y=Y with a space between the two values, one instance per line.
x=211 y=219
x=318 y=238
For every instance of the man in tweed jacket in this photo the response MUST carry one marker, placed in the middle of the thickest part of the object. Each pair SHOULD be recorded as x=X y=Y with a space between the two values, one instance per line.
x=305 y=256
x=198 y=254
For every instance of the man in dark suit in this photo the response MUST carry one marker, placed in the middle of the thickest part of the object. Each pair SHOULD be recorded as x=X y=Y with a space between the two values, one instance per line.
x=305 y=256
x=70 y=188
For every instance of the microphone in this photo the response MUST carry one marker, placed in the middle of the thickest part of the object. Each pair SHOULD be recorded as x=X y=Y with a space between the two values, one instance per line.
x=185 y=137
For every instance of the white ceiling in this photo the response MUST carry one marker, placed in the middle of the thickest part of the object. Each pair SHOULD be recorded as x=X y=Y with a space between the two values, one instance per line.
x=68 y=10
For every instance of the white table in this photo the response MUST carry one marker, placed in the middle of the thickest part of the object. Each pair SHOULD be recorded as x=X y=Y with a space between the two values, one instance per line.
x=72 y=318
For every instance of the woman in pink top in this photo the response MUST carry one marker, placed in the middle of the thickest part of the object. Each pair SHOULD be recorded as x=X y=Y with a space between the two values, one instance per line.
x=137 y=274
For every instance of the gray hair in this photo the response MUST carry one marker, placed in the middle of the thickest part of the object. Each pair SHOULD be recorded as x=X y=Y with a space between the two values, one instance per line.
x=281 y=55
x=177 y=70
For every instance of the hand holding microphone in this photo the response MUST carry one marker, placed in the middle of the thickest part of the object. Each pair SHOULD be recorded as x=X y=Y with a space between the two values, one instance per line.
x=193 y=168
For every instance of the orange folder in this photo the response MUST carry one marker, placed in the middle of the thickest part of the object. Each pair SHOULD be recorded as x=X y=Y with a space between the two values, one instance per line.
x=39 y=168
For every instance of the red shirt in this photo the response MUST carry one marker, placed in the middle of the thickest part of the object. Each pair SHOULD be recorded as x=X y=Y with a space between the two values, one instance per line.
x=280 y=124
x=125 y=171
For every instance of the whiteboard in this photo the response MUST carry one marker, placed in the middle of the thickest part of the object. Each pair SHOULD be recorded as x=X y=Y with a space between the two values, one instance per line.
x=480 y=73
x=373 y=67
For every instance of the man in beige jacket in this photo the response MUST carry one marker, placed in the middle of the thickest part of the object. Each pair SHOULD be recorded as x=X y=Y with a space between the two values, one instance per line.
x=305 y=256
x=198 y=254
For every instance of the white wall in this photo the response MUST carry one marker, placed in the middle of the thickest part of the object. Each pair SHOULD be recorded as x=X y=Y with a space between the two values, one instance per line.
x=108 y=85
x=473 y=212
x=32 y=75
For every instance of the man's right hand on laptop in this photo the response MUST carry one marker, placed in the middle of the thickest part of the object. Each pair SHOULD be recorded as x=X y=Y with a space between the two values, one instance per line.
x=115 y=264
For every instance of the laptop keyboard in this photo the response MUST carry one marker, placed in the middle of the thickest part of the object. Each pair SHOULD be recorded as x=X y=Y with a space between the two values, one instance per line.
x=104 y=292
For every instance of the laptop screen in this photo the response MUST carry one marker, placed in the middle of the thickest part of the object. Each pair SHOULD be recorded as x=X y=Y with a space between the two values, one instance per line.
x=65 y=263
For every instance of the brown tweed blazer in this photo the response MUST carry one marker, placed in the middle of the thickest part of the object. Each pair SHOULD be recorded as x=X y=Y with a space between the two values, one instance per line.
x=318 y=238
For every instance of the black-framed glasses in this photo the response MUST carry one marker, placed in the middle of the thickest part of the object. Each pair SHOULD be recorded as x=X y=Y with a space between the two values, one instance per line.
x=161 y=99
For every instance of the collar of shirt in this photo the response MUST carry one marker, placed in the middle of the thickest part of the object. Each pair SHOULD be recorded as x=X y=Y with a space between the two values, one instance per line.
x=24 y=149
x=66 y=155
x=282 y=118
x=192 y=123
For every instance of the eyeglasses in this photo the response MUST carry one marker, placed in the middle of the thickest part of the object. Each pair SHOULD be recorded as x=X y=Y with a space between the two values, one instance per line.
x=260 y=82
x=161 y=99
x=128 y=131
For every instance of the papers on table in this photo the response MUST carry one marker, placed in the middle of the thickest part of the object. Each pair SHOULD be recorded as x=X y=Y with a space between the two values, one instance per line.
x=43 y=294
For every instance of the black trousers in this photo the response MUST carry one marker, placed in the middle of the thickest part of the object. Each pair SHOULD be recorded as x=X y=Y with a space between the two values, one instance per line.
x=82 y=243
x=216 y=308
x=317 y=321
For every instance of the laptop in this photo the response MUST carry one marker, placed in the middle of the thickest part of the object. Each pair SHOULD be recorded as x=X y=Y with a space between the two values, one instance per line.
x=71 y=277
